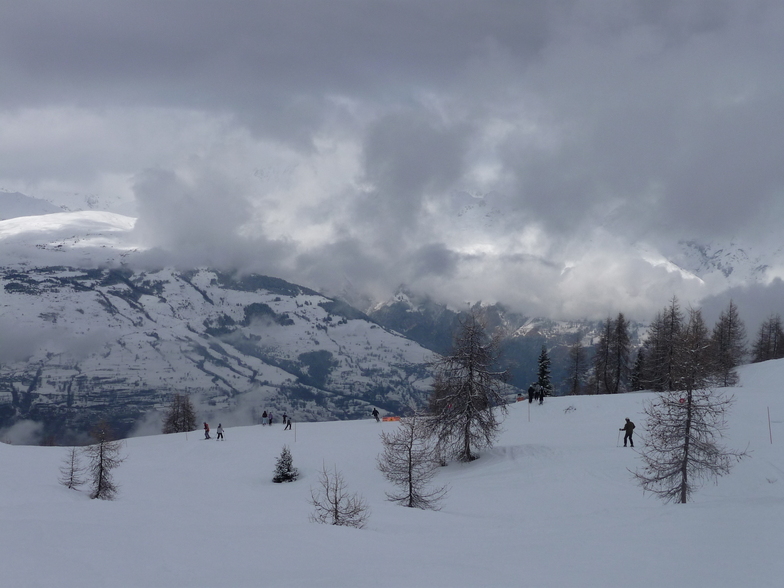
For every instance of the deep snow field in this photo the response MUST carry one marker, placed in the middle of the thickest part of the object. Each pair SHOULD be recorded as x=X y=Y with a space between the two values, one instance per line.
x=552 y=504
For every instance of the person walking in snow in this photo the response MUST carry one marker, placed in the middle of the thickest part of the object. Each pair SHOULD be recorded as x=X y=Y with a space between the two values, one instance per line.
x=264 y=418
x=629 y=428
x=206 y=431
x=288 y=425
x=270 y=417
x=531 y=393
x=220 y=433
x=375 y=413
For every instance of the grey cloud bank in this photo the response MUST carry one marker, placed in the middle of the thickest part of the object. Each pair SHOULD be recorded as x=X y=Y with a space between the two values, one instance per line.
x=522 y=152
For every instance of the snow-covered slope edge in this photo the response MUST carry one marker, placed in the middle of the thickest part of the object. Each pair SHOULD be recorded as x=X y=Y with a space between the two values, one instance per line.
x=551 y=505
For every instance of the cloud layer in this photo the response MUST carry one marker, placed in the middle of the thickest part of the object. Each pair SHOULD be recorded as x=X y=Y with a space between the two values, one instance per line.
x=522 y=152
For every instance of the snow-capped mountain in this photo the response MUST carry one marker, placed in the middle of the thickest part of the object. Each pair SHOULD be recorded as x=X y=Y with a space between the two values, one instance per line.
x=736 y=262
x=84 y=334
x=119 y=342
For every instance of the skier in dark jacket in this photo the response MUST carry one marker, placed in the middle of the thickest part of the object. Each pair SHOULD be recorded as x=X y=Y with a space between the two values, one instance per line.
x=531 y=393
x=629 y=428
x=375 y=413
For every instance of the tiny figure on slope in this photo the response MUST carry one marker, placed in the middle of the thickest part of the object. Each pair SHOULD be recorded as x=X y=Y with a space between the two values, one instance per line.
x=220 y=433
x=531 y=393
x=264 y=418
x=288 y=424
x=375 y=413
x=270 y=417
x=629 y=428
x=541 y=394
x=206 y=431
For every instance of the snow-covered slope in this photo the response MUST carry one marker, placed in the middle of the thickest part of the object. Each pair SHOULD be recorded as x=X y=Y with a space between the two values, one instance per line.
x=551 y=505
x=83 y=334
x=119 y=343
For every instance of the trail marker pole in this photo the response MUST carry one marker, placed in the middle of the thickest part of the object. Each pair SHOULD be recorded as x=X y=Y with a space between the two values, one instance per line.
x=770 y=431
x=618 y=442
x=529 y=412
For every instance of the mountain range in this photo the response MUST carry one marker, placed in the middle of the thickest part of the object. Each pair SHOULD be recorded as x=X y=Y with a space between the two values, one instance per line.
x=84 y=333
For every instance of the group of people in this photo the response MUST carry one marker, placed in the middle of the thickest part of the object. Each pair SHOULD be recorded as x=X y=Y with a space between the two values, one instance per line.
x=268 y=419
x=536 y=392
x=219 y=430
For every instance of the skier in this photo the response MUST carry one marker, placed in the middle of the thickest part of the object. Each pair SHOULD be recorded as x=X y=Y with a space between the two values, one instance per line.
x=270 y=418
x=206 y=431
x=629 y=428
x=288 y=424
x=541 y=394
x=531 y=393
x=220 y=433
x=264 y=418
x=375 y=413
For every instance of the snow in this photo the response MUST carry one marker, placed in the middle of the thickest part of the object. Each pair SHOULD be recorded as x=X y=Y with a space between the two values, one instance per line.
x=84 y=239
x=552 y=504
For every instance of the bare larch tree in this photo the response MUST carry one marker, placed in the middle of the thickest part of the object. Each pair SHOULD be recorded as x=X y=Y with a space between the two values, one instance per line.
x=72 y=472
x=467 y=393
x=104 y=457
x=683 y=428
x=409 y=461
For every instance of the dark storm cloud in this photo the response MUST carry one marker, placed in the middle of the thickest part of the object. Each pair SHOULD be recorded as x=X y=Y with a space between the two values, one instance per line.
x=261 y=60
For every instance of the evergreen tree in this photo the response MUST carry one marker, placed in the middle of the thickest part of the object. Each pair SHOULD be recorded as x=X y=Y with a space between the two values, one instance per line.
x=104 y=457
x=770 y=340
x=619 y=350
x=409 y=461
x=284 y=470
x=602 y=359
x=638 y=371
x=180 y=416
x=543 y=372
x=611 y=362
x=578 y=365
x=692 y=361
x=467 y=393
x=728 y=342
x=661 y=346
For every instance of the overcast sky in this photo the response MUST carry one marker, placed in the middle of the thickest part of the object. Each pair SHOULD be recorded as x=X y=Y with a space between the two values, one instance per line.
x=521 y=151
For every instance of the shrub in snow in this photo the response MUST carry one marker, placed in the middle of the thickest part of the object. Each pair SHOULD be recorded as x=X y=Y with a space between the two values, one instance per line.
x=334 y=505
x=284 y=470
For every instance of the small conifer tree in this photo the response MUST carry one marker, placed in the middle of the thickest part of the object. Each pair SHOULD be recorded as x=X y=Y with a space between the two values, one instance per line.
x=284 y=470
